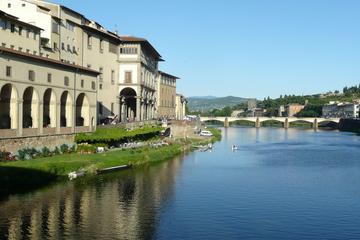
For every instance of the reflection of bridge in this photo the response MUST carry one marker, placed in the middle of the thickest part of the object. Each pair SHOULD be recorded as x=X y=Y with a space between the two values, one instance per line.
x=258 y=120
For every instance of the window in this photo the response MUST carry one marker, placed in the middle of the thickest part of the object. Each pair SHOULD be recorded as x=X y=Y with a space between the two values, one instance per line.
x=82 y=83
x=20 y=30
x=128 y=77
x=101 y=76
x=66 y=81
x=89 y=41
x=112 y=108
x=101 y=46
x=35 y=35
x=113 y=48
x=63 y=46
x=12 y=27
x=69 y=25
x=23 y=5
x=93 y=85
x=3 y=24
x=9 y=5
x=27 y=33
x=27 y=50
x=100 y=86
x=128 y=50
x=74 y=49
x=31 y=75
x=68 y=48
x=55 y=46
x=112 y=77
x=8 y=71
x=54 y=26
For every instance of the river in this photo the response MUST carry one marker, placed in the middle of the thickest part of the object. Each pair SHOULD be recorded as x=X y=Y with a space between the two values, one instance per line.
x=281 y=184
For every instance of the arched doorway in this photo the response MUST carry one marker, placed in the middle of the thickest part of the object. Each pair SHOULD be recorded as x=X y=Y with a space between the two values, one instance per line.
x=128 y=105
x=66 y=110
x=30 y=108
x=49 y=109
x=8 y=107
x=82 y=110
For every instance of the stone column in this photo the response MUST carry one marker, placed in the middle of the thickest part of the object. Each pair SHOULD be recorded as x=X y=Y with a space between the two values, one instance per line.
x=286 y=123
x=40 y=117
x=315 y=124
x=138 y=111
x=257 y=123
x=58 y=118
x=20 y=117
x=226 y=123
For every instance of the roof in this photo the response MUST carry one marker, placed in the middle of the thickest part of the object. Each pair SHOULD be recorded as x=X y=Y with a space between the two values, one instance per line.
x=168 y=75
x=144 y=42
x=10 y=51
x=16 y=19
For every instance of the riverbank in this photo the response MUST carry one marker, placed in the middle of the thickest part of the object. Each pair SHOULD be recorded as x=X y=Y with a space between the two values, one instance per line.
x=20 y=176
x=349 y=125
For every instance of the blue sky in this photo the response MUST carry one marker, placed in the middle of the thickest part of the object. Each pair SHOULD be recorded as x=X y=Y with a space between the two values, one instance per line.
x=246 y=48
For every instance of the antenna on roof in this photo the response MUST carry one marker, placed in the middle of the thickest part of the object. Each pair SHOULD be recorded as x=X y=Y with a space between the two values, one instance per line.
x=116 y=29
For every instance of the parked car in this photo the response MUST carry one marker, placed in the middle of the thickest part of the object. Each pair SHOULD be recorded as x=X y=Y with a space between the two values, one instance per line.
x=206 y=133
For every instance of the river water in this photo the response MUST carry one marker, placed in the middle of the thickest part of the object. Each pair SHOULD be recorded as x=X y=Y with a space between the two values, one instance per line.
x=281 y=184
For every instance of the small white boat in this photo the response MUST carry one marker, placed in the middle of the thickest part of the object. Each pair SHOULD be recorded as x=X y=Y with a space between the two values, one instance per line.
x=74 y=175
x=235 y=148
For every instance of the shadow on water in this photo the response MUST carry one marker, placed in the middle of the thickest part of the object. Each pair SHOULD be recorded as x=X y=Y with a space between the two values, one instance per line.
x=119 y=205
x=21 y=180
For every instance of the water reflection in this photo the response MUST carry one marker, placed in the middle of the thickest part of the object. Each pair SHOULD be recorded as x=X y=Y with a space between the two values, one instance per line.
x=116 y=206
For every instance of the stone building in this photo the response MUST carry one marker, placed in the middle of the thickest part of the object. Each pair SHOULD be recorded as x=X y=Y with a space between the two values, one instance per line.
x=292 y=109
x=341 y=110
x=180 y=110
x=166 y=95
x=41 y=96
x=138 y=72
x=128 y=66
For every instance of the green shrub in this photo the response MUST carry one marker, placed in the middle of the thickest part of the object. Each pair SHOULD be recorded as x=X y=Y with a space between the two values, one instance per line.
x=86 y=149
x=45 y=152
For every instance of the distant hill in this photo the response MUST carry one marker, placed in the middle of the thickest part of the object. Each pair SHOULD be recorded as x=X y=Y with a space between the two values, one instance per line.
x=207 y=103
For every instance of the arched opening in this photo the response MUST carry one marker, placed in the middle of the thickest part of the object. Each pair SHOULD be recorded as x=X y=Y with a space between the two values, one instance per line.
x=272 y=123
x=8 y=107
x=214 y=122
x=301 y=124
x=30 y=108
x=65 y=110
x=242 y=123
x=128 y=104
x=82 y=110
x=328 y=125
x=49 y=111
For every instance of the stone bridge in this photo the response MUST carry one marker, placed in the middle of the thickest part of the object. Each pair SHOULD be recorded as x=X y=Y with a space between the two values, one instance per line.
x=258 y=120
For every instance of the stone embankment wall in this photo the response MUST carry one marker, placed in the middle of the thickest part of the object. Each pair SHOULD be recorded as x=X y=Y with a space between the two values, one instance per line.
x=14 y=144
x=349 y=125
x=130 y=124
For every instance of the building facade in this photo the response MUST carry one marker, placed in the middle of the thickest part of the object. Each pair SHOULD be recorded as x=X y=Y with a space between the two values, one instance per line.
x=292 y=109
x=341 y=110
x=166 y=103
x=39 y=95
x=127 y=84
x=138 y=71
